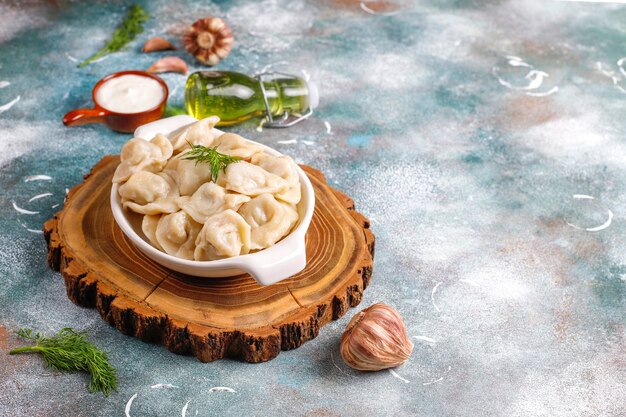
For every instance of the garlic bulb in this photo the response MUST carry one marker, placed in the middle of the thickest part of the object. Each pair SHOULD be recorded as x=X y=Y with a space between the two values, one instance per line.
x=209 y=40
x=375 y=339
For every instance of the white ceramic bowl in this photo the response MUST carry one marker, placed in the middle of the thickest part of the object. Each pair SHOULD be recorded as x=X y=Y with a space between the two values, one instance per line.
x=268 y=266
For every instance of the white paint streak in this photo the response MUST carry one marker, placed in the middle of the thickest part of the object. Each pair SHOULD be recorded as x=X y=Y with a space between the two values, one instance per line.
x=222 y=389
x=603 y=226
x=36 y=231
x=56 y=205
x=329 y=129
x=38 y=196
x=545 y=94
x=10 y=104
x=23 y=211
x=4 y=84
x=425 y=339
x=516 y=61
x=535 y=78
x=128 y=404
x=287 y=142
x=594 y=1
x=37 y=178
x=374 y=12
x=438 y=379
x=332 y=359
x=308 y=142
x=620 y=64
x=612 y=75
x=157 y=386
x=432 y=296
x=71 y=58
x=395 y=374
x=183 y=412
x=433 y=382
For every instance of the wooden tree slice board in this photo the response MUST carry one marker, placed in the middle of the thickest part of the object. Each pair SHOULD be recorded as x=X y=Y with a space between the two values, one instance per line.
x=210 y=318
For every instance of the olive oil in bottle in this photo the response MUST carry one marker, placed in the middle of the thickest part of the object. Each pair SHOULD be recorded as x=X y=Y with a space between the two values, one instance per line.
x=235 y=97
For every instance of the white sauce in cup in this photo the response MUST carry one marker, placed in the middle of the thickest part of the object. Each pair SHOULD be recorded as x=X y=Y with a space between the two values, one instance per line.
x=130 y=94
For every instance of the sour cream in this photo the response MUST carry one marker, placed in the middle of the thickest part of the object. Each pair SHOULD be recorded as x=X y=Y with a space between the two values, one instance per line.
x=130 y=94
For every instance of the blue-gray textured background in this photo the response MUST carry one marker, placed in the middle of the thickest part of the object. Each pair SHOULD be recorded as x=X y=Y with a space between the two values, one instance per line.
x=486 y=141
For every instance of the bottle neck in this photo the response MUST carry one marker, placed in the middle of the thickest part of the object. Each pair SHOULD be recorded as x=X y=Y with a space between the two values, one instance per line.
x=286 y=95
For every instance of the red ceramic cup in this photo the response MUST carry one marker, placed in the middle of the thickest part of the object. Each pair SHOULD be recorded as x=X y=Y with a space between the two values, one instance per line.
x=121 y=122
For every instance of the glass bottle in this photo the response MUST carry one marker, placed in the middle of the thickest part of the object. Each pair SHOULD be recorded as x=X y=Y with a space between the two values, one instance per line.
x=235 y=97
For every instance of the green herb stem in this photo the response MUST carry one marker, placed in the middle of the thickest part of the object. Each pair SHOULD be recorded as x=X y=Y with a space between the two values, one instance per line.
x=126 y=32
x=24 y=349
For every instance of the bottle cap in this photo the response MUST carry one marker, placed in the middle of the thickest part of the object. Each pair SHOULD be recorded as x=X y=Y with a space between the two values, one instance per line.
x=314 y=94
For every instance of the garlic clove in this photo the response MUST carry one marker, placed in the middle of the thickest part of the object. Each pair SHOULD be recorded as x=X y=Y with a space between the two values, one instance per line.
x=209 y=40
x=169 y=64
x=157 y=44
x=375 y=339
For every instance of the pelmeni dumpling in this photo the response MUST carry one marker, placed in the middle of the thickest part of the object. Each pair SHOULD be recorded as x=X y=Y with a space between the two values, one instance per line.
x=234 y=145
x=198 y=133
x=210 y=199
x=223 y=235
x=149 y=193
x=141 y=155
x=188 y=174
x=269 y=220
x=176 y=233
x=248 y=179
x=148 y=226
x=284 y=167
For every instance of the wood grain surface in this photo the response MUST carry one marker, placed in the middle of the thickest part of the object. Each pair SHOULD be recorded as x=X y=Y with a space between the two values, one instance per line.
x=210 y=318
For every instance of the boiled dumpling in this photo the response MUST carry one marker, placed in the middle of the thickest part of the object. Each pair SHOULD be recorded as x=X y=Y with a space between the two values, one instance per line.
x=251 y=180
x=148 y=226
x=234 y=145
x=149 y=193
x=188 y=174
x=141 y=155
x=198 y=133
x=284 y=167
x=210 y=199
x=223 y=235
x=269 y=219
x=176 y=233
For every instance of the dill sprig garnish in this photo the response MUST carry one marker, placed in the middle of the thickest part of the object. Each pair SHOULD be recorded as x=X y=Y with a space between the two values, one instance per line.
x=71 y=351
x=126 y=32
x=217 y=161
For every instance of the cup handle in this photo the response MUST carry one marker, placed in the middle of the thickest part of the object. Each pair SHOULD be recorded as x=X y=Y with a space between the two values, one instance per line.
x=277 y=263
x=84 y=116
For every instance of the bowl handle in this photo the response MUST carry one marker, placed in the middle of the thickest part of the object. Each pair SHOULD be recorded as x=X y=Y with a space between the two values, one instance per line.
x=277 y=263
x=84 y=116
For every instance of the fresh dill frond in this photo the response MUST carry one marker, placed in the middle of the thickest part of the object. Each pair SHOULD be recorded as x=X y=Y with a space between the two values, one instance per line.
x=217 y=161
x=71 y=351
x=126 y=32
